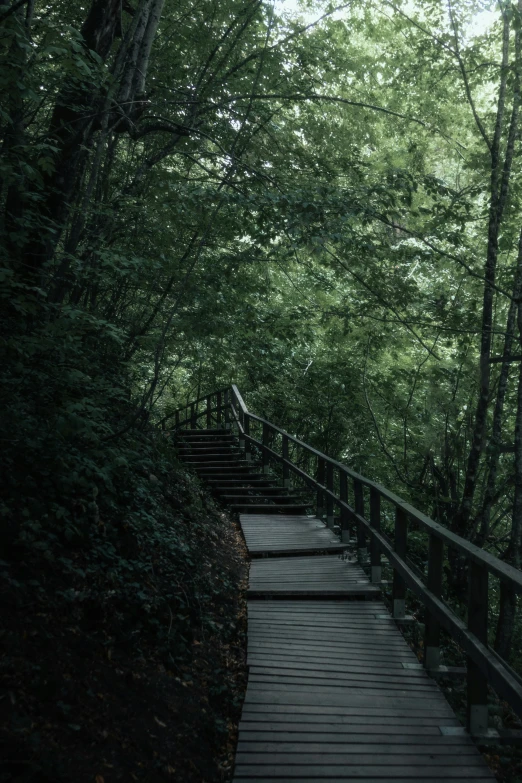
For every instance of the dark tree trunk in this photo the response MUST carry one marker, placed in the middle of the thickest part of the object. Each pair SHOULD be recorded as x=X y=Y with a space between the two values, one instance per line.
x=508 y=597
x=72 y=122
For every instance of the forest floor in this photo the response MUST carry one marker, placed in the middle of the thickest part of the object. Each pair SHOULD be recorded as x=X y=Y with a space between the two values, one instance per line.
x=76 y=707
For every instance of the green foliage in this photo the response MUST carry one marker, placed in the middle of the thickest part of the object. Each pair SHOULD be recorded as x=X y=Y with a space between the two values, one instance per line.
x=298 y=207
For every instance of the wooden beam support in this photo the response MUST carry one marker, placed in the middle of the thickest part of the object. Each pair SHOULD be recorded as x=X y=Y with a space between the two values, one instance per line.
x=219 y=408
x=329 y=499
x=286 y=468
x=246 y=428
x=375 y=522
x=321 y=470
x=345 y=516
x=432 y=632
x=228 y=424
x=362 y=550
x=477 y=682
x=399 y=586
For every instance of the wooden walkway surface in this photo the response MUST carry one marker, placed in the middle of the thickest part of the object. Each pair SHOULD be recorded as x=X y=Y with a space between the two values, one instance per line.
x=334 y=692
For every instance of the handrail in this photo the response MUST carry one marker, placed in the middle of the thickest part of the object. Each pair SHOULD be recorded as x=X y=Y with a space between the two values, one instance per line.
x=484 y=665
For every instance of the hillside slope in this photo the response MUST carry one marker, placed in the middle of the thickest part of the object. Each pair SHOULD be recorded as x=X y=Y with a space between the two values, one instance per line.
x=123 y=647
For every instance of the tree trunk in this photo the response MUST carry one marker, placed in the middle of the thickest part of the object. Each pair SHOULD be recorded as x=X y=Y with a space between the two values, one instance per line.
x=500 y=178
x=483 y=518
x=70 y=130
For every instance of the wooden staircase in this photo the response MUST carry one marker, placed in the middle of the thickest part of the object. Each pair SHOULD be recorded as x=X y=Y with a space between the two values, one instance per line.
x=241 y=483
x=297 y=539
x=334 y=692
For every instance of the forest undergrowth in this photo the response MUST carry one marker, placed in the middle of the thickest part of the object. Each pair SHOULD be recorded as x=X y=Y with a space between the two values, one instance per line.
x=123 y=653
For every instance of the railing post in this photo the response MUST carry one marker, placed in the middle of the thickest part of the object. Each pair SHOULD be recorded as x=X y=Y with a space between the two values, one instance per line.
x=176 y=419
x=345 y=515
x=228 y=425
x=375 y=522
x=320 y=481
x=329 y=498
x=434 y=584
x=246 y=428
x=362 y=551
x=209 y=414
x=264 y=455
x=219 y=405
x=193 y=420
x=478 y=625
x=399 y=587
x=286 y=468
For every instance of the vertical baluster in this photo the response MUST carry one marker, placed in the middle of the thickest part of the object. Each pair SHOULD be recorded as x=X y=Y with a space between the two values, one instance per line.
x=246 y=427
x=362 y=551
x=320 y=480
x=193 y=420
x=286 y=468
x=478 y=624
x=209 y=414
x=264 y=455
x=401 y=539
x=345 y=514
x=434 y=584
x=219 y=407
x=227 y=410
x=329 y=499
x=176 y=420
x=240 y=421
x=375 y=522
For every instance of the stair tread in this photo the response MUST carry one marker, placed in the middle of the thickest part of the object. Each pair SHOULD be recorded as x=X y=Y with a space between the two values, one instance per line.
x=271 y=498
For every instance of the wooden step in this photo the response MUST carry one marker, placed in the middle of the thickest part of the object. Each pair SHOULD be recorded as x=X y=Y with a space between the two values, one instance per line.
x=203 y=433
x=242 y=470
x=258 y=483
x=217 y=465
x=234 y=491
x=213 y=456
x=202 y=448
x=292 y=499
x=264 y=508
x=231 y=475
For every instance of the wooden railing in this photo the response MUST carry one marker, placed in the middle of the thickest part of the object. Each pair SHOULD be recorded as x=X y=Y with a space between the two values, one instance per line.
x=379 y=516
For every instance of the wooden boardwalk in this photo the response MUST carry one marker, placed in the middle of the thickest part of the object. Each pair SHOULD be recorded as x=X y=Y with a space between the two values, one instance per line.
x=302 y=576
x=334 y=692
x=287 y=534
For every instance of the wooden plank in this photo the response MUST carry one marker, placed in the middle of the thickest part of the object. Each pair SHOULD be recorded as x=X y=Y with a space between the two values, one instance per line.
x=337 y=757
x=311 y=662
x=348 y=734
x=325 y=680
x=378 y=713
x=347 y=778
x=311 y=591
x=351 y=751
x=342 y=691
x=344 y=779
x=316 y=634
x=337 y=671
x=416 y=772
x=358 y=697
x=363 y=626
x=307 y=720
